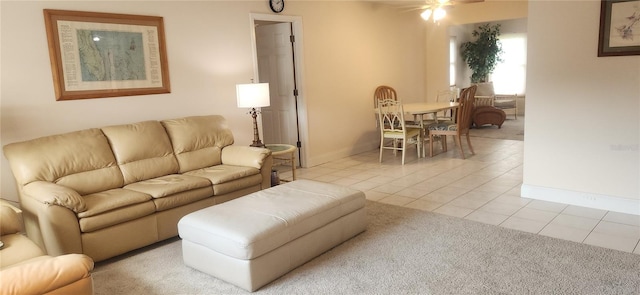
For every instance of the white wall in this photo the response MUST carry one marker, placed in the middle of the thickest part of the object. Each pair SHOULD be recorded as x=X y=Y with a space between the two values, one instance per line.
x=582 y=122
x=350 y=48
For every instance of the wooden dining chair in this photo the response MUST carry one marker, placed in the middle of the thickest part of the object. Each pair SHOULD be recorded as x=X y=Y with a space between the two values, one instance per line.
x=384 y=92
x=387 y=92
x=381 y=93
x=393 y=126
x=446 y=95
x=458 y=128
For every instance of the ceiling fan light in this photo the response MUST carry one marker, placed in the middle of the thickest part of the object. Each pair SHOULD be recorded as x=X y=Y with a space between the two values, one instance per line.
x=426 y=14
x=439 y=13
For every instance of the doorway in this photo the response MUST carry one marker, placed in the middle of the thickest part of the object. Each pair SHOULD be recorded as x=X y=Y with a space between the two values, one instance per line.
x=277 y=45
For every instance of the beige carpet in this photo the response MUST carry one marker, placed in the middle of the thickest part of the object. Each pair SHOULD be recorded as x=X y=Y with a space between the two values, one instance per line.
x=512 y=129
x=403 y=251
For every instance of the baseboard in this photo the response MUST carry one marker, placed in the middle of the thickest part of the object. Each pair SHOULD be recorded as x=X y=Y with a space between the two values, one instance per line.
x=360 y=147
x=589 y=200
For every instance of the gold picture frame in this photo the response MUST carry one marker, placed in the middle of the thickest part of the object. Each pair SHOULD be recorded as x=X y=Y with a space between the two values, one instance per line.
x=96 y=55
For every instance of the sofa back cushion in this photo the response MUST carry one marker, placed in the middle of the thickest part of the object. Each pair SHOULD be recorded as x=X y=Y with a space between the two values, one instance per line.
x=198 y=141
x=142 y=150
x=81 y=160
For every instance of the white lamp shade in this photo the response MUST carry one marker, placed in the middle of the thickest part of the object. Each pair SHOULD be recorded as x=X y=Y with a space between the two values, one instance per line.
x=253 y=95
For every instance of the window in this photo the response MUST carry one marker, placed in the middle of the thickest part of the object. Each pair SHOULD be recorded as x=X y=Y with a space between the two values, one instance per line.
x=453 y=56
x=509 y=77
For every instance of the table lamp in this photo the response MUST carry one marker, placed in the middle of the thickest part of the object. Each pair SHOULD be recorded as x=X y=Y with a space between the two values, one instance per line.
x=253 y=96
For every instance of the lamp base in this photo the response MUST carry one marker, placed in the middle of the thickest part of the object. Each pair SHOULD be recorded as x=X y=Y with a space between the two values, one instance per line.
x=256 y=136
x=257 y=144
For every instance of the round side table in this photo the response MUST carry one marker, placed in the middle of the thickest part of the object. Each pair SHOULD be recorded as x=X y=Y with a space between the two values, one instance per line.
x=284 y=154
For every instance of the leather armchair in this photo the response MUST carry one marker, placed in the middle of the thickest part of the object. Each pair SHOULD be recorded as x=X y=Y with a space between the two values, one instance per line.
x=25 y=269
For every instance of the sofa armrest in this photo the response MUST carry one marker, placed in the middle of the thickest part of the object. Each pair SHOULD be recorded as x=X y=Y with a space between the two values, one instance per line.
x=9 y=220
x=54 y=194
x=245 y=156
x=44 y=274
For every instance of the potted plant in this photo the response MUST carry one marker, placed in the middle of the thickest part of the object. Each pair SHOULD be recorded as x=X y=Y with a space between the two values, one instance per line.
x=483 y=54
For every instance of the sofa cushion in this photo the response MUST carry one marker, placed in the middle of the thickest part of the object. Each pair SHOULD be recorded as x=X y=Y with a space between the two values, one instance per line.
x=143 y=150
x=80 y=160
x=116 y=216
x=169 y=185
x=102 y=202
x=238 y=184
x=227 y=178
x=183 y=198
x=113 y=207
x=198 y=141
x=224 y=173
x=174 y=190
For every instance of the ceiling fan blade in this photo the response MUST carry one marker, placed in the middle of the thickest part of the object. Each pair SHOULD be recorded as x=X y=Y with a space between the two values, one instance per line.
x=466 y=1
x=446 y=4
x=414 y=7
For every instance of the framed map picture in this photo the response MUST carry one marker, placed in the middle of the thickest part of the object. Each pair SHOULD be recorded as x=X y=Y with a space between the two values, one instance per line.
x=619 y=28
x=105 y=55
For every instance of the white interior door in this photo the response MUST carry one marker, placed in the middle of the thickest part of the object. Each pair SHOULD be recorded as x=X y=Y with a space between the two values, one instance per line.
x=276 y=67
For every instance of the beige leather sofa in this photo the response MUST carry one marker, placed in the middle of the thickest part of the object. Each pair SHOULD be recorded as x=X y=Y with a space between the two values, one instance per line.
x=105 y=191
x=25 y=269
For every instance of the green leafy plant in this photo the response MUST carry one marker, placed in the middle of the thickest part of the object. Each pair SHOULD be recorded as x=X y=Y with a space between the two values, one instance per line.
x=483 y=54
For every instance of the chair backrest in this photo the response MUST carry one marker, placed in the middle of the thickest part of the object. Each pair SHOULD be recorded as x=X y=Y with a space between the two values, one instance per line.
x=485 y=96
x=384 y=92
x=445 y=96
x=391 y=115
x=467 y=99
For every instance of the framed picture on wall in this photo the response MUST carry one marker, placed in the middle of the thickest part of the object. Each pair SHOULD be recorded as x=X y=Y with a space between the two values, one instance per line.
x=619 y=28
x=106 y=55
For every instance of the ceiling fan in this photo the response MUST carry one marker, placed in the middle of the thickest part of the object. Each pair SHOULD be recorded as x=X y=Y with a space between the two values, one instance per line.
x=436 y=8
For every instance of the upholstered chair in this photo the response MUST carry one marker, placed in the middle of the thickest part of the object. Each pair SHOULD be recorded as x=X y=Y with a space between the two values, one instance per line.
x=25 y=269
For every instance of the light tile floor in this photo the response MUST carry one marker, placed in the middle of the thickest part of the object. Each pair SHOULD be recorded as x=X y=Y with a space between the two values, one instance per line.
x=484 y=188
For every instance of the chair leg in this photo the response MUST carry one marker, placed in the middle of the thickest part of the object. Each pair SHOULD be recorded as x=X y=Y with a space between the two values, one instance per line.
x=459 y=143
x=443 y=139
x=381 y=148
x=424 y=138
x=395 y=147
x=404 y=151
x=469 y=142
x=419 y=145
x=430 y=145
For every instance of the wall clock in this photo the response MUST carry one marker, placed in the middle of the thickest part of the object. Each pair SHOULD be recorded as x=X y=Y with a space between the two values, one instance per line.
x=277 y=6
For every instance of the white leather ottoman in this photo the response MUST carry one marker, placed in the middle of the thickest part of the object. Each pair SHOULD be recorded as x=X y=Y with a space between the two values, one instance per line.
x=252 y=240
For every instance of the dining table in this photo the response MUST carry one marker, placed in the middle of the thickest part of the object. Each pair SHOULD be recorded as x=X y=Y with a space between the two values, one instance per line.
x=419 y=109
